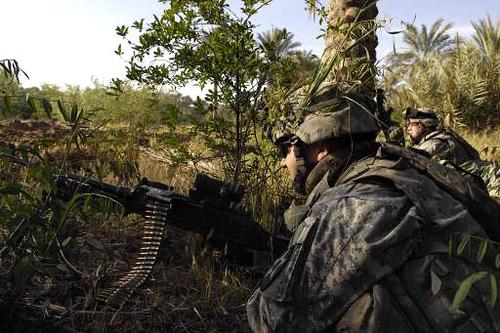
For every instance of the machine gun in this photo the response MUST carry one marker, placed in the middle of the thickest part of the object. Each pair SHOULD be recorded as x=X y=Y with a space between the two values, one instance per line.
x=212 y=208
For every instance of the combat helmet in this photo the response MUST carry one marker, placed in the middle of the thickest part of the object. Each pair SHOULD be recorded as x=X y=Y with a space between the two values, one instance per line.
x=341 y=116
x=425 y=116
x=328 y=114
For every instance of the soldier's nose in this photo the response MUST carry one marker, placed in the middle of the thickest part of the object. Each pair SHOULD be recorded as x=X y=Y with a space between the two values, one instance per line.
x=283 y=163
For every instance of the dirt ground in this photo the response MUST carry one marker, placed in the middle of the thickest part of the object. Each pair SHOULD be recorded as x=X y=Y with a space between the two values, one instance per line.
x=29 y=131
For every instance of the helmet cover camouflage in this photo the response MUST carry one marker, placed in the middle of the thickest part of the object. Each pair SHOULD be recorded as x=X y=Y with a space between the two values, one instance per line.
x=337 y=118
x=425 y=116
x=283 y=128
x=329 y=114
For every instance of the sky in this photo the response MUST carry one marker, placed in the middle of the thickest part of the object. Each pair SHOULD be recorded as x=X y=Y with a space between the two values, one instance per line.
x=72 y=42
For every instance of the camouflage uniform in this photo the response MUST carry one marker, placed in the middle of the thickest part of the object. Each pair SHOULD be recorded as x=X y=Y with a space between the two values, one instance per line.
x=443 y=144
x=371 y=255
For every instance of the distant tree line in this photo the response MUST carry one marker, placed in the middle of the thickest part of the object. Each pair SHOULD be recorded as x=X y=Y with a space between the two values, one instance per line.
x=458 y=77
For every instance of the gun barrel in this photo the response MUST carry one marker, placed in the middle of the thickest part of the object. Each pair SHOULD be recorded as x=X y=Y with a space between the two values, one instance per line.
x=207 y=210
x=69 y=184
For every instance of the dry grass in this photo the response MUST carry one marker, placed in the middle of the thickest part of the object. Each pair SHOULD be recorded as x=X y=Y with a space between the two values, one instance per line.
x=487 y=142
x=191 y=290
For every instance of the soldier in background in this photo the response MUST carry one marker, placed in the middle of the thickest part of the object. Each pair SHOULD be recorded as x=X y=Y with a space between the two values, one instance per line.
x=442 y=144
x=369 y=251
x=448 y=148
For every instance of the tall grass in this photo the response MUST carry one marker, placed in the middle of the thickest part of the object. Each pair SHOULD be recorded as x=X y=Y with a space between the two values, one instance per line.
x=487 y=142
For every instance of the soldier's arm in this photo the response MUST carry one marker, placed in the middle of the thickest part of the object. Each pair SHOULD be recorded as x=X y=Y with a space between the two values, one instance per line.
x=352 y=238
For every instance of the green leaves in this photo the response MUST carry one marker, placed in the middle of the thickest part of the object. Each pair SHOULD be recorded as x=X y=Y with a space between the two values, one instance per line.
x=8 y=105
x=487 y=36
x=463 y=244
x=62 y=109
x=138 y=25
x=119 y=51
x=32 y=103
x=47 y=107
x=10 y=68
x=211 y=45
x=493 y=291
x=41 y=174
x=29 y=102
x=122 y=31
x=483 y=247
x=468 y=247
x=464 y=289
x=10 y=189
x=466 y=285
x=457 y=78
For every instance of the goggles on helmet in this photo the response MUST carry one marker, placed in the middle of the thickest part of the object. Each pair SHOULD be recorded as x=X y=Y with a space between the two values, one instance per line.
x=284 y=146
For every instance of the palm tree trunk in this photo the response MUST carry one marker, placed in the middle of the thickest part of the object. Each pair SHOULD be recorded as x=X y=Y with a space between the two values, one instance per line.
x=358 y=63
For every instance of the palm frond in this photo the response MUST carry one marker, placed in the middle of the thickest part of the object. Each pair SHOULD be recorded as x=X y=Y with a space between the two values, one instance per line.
x=277 y=43
x=487 y=36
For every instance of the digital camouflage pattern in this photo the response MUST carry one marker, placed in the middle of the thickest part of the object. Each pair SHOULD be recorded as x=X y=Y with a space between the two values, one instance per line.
x=330 y=113
x=336 y=118
x=448 y=148
x=490 y=174
x=445 y=145
x=371 y=255
x=425 y=116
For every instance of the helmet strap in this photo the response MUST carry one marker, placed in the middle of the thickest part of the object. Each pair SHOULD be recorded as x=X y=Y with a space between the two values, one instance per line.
x=327 y=163
x=299 y=181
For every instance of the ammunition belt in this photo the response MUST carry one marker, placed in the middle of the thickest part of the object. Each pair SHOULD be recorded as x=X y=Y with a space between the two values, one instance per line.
x=155 y=217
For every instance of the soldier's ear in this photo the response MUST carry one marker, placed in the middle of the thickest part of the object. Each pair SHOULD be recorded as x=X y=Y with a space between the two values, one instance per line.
x=323 y=149
x=321 y=155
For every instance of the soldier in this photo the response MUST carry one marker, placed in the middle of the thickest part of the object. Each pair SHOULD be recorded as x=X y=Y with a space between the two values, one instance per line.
x=369 y=252
x=442 y=144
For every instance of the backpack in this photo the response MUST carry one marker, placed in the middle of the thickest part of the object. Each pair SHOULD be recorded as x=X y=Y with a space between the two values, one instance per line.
x=483 y=208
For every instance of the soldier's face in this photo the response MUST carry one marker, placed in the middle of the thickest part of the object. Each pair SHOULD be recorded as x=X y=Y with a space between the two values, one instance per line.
x=313 y=154
x=290 y=162
x=415 y=130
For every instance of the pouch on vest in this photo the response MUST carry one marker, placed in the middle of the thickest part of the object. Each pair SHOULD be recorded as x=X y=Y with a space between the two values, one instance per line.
x=484 y=209
x=280 y=281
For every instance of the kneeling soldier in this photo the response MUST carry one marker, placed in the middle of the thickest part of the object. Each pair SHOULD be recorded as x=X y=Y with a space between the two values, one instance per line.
x=369 y=251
